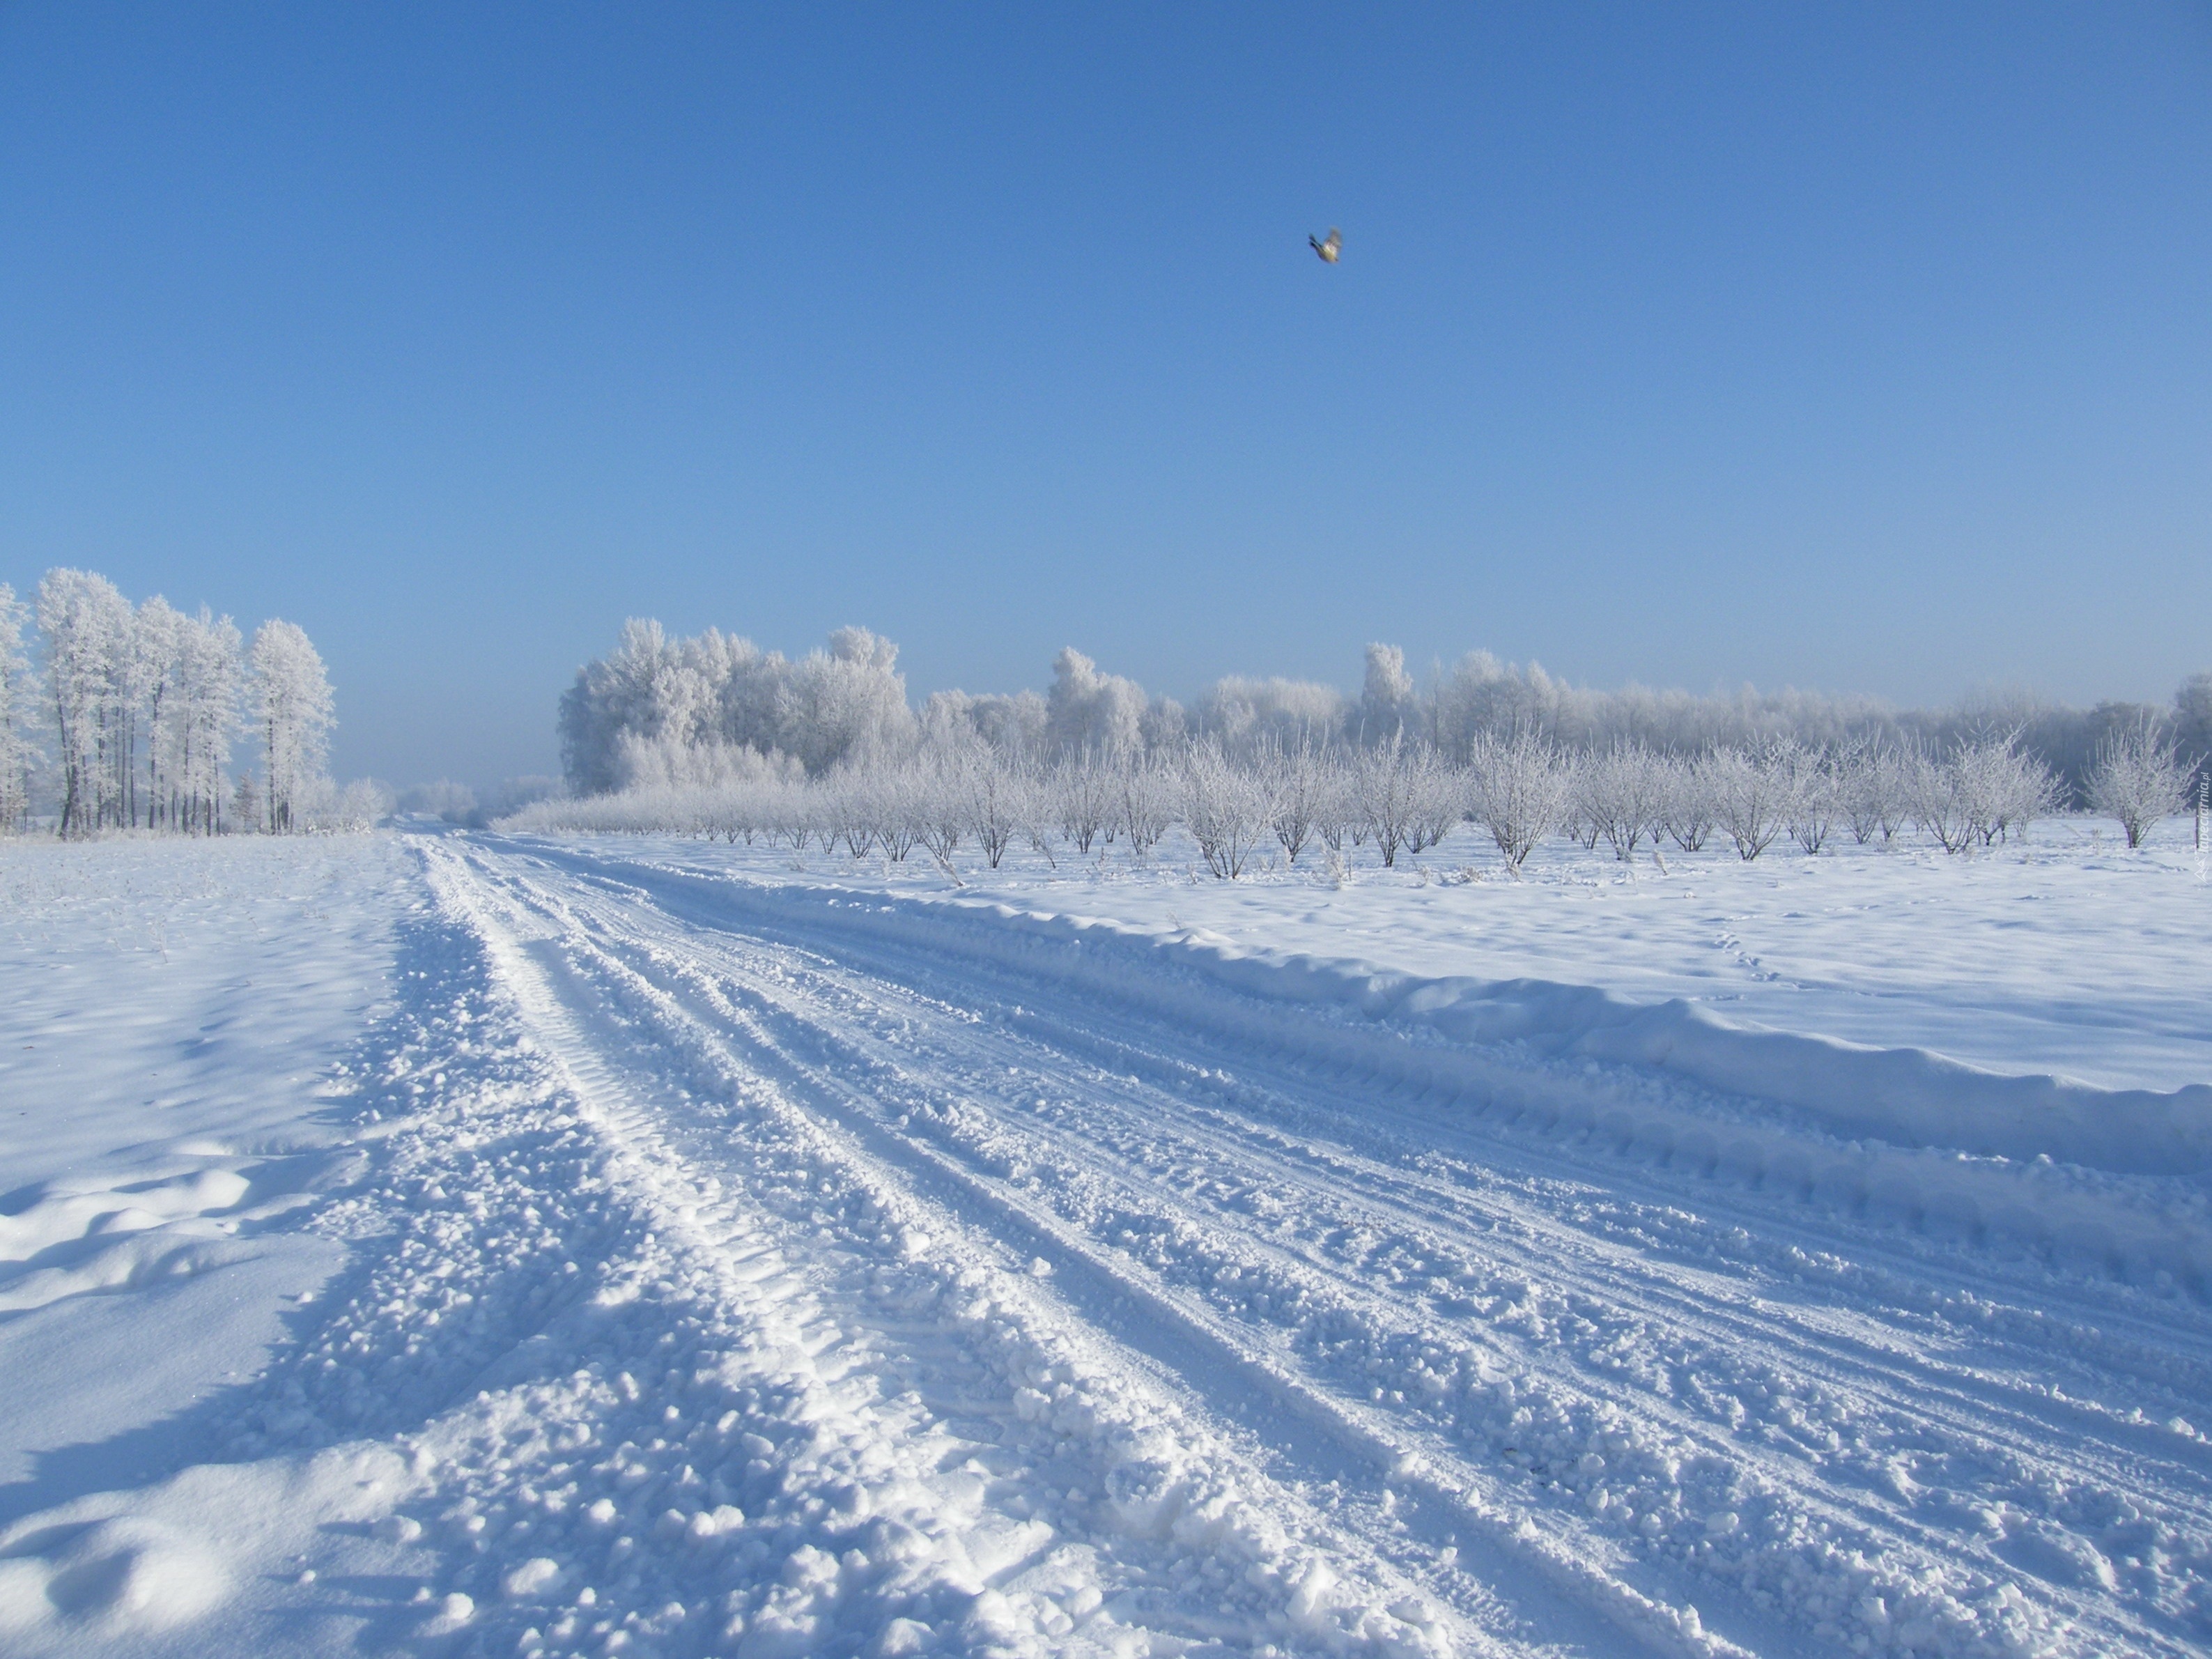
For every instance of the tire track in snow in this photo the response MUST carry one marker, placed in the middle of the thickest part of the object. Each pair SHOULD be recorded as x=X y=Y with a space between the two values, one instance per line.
x=1173 y=1507
x=1190 y=1339
x=616 y=918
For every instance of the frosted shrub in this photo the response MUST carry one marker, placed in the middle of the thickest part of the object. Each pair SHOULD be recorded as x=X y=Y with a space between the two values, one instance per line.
x=2137 y=780
x=1941 y=803
x=1816 y=796
x=1752 y=795
x=1150 y=796
x=850 y=808
x=1621 y=794
x=1517 y=788
x=1686 y=805
x=939 y=801
x=1439 y=801
x=325 y=809
x=1336 y=803
x=1386 y=787
x=1298 y=778
x=1087 y=797
x=899 y=810
x=1038 y=811
x=1867 y=784
x=2002 y=789
x=1225 y=807
x=995 y=798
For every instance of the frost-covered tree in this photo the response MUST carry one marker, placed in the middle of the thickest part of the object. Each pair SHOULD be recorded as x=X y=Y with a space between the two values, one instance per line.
x=203 y=719
x=848 y=701
x=2138 y=780
x=1389 y=709
x=638 y=715
x=17 y=716
x=157 y=647
x=292 y=719
x=1244 y=714
x=86 y=624
x=1086 y=710
x=1013 y=726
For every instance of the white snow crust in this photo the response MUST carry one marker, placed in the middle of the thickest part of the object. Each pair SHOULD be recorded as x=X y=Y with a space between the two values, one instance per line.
x=471 y=1244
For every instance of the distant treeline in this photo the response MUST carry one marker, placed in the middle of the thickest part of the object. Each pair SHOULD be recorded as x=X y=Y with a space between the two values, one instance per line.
x=658 y=712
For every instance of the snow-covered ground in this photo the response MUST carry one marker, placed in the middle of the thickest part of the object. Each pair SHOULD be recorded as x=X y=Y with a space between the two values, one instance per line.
x=461 y=1244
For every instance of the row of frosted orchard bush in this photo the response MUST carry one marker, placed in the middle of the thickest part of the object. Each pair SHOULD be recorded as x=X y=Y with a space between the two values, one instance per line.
x=946 y=796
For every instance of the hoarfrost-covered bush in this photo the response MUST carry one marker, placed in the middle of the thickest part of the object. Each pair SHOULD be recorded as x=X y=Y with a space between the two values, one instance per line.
x=1688 y=811
x=1518 y=787
x=2138 y=780
x=1224 y=808
x=995 y=798
x=1816 y=796
x=1975 y=792
x=1439 y=801
x=1941 y=803
x=1751 y=794
x=1622 y=793
x=1087 y=800
x=323 y=808
x=1149 y=797
x=2004 y=790
x=1386 y=787
x=1871 y=793
x=1299 y=779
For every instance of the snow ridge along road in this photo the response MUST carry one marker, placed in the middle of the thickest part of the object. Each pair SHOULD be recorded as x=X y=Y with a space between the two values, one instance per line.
x=1238 y=1320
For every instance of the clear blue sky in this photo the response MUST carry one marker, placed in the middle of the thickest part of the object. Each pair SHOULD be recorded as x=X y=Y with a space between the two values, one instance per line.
x=1861 y=347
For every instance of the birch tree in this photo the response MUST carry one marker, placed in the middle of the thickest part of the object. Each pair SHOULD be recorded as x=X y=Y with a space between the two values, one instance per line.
x=292 y=718
x=157 y=647
x=85 y=623
x=209 y=679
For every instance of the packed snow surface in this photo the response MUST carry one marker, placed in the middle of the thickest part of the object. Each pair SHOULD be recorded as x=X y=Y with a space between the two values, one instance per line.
x=459 y=1243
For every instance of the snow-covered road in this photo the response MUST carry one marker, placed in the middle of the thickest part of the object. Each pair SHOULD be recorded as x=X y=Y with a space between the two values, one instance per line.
x=746 y=1267
x=1505 y=1371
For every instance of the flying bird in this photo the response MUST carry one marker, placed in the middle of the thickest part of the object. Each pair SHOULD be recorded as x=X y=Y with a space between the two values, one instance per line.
x=1329 y=247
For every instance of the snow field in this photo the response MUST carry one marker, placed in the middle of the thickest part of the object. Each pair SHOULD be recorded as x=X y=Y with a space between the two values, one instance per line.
x=632 y=1247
